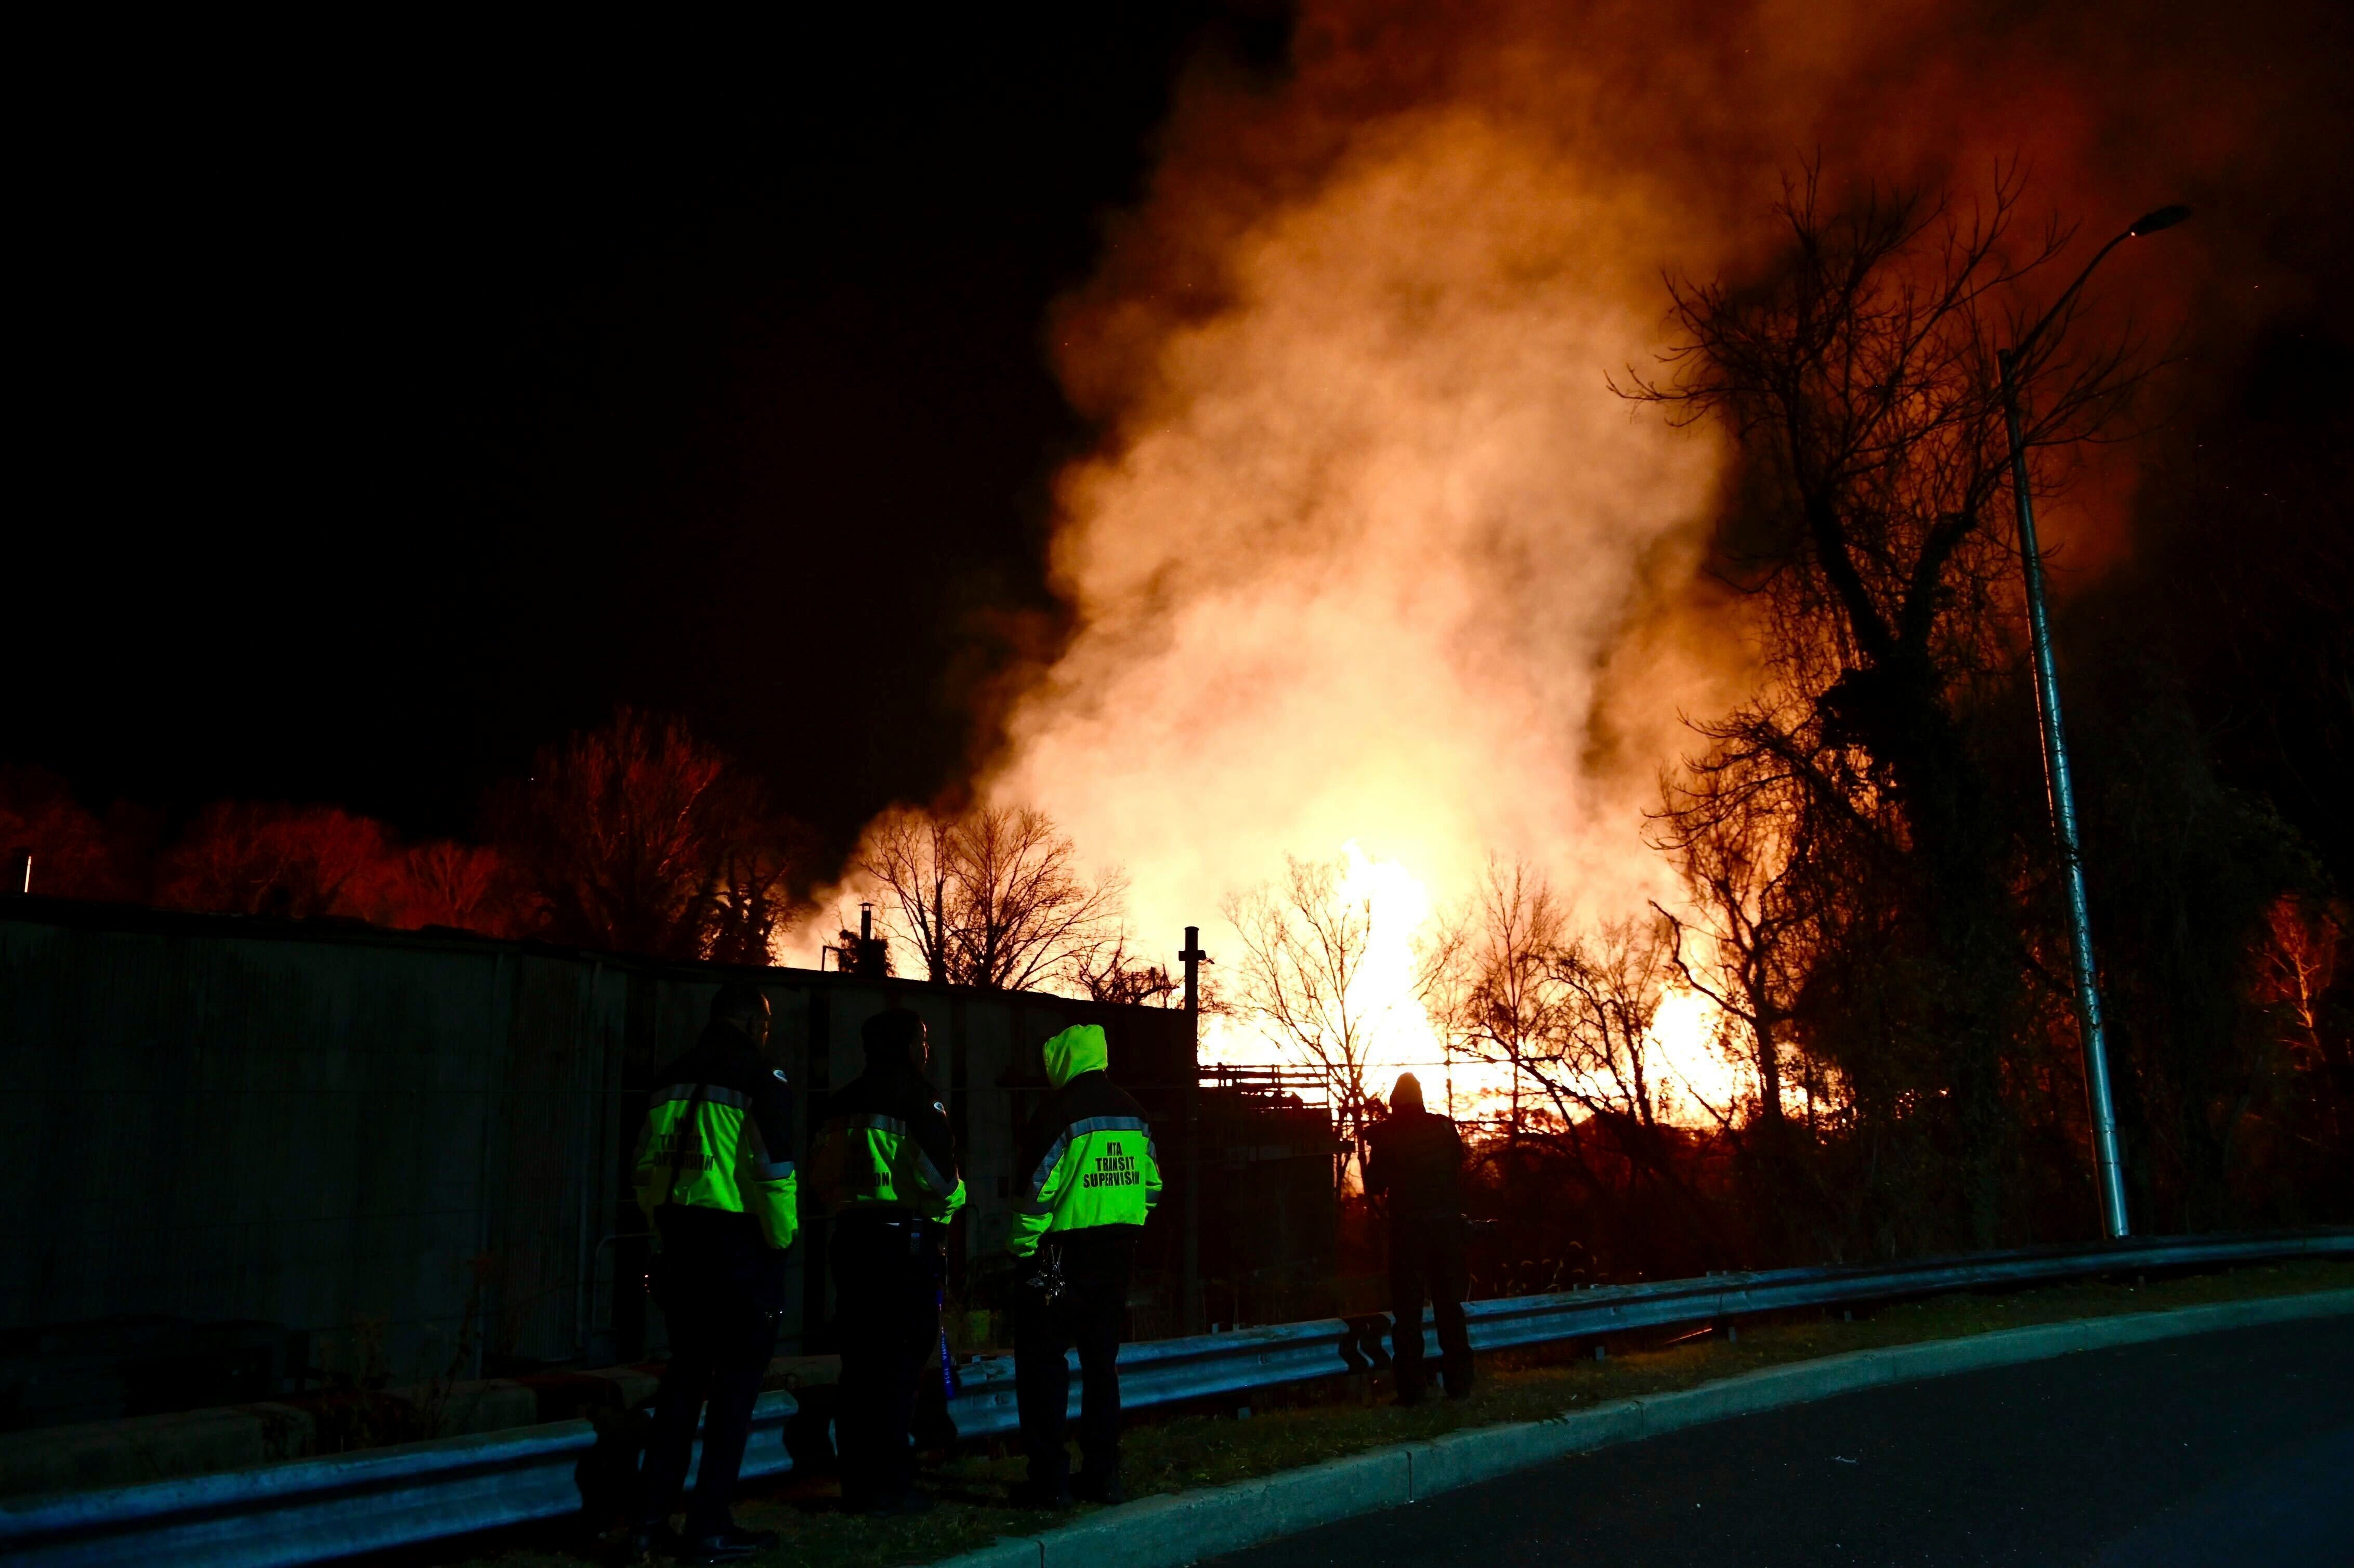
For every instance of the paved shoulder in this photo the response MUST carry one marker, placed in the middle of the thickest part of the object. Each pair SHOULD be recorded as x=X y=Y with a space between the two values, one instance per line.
x=2231 y=1446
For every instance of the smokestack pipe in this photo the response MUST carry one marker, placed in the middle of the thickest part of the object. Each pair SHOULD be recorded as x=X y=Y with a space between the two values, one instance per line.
x=870 y=949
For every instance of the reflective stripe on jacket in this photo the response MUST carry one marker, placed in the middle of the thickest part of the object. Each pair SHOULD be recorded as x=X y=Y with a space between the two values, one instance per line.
x=867 y=1161
x=725 y=1147
x=1088 y=1160
x=887 y=1149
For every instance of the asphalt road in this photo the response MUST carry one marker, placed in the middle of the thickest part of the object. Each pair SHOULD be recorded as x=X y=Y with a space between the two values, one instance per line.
x=2225 y=1448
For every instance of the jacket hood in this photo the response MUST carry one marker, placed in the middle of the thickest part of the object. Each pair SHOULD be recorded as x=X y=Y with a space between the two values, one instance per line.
x=1078 y=1049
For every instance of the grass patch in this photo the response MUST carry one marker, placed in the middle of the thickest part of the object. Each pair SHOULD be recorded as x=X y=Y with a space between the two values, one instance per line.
x=1304 y=1424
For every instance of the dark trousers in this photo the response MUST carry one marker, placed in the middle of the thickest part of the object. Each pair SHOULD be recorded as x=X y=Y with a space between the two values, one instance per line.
x=723 y=1329
x=1089 y=1314
x=885 y=1276
x=1426 y=1258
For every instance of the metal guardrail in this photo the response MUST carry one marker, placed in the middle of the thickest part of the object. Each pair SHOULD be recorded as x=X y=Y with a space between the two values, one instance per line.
x=309 y=1511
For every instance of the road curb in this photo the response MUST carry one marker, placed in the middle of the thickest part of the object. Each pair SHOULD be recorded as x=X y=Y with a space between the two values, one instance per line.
x=1185 y=1527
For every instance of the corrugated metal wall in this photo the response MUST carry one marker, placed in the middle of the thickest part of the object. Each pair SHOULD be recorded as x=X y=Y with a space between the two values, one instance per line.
x=420 y=1138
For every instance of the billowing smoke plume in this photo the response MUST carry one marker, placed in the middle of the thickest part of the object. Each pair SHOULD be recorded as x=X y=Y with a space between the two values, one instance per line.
x=1372 y=554
x=1371 y=532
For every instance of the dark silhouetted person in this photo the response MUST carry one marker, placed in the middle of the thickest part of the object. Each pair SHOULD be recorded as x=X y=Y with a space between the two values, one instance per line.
x=1415 y=1163
x=714 y=1176
x=885 y=1169
x=1086 y=1177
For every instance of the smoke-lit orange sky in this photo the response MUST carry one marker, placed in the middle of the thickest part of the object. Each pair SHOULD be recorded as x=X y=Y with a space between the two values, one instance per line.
x=1188 y=418
x=1372 y=562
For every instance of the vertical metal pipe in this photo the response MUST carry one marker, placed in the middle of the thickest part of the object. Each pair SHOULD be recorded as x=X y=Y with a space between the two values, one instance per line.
x=1194 y=1165
x=2061 y=792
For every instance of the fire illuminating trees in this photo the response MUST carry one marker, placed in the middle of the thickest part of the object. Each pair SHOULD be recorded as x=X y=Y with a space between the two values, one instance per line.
x=994 y=898
x=1849 y=806
x=1737 y=828
x=1489 y=979
x=1305 y=943
x=1572 y=1015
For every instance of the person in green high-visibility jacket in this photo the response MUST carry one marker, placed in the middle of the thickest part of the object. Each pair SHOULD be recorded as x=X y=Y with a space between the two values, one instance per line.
x=715 y=1177
x=1086 y=1179
x=883 y=1165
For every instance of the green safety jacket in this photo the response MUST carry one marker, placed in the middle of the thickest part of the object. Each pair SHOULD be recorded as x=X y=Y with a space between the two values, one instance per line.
x=718 y=1137
x=1087 y=1162
x=886 y=1149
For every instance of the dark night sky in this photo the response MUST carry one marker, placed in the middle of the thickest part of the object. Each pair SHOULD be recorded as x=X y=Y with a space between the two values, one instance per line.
x=404 y=410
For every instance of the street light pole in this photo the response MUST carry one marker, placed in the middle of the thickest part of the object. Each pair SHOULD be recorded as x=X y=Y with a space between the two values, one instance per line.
x=2058 y=780
x=1193 y=958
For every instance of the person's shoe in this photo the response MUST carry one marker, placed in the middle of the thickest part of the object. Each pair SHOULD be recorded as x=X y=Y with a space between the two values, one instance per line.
x=1407 y=1398
x=1088 y=1487
x=1458 y=1391
x=1041 y=1494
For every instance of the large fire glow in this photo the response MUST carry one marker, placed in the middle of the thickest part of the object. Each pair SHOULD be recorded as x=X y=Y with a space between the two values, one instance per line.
x=1371 y=561
x=1356 y=575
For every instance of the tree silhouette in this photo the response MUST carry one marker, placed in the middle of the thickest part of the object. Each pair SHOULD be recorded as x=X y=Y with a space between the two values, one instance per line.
x=637 y=837
x=1305 y=942
x=993 y=899
x=1857 y=378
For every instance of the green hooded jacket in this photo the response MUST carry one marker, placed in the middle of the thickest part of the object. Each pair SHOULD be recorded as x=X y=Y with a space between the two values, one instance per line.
x=1087 y=1162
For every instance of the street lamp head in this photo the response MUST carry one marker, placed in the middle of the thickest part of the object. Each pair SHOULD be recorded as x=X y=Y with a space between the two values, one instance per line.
x=2164 y=217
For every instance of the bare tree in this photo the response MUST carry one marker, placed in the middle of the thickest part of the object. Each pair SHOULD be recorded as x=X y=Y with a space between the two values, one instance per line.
x=751 y=899
x=300 y=862
x=1857 y=376
x=1737 y=829
x=2295 y=969
x=913 y=856
x=637 y=836
x=1573 y=1018
x=1603 y=1060
x=1859 y=379
x=1110 y=972
x=994 y=899
x=466 y=886
x=1304 y=947
x=1488 y=978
